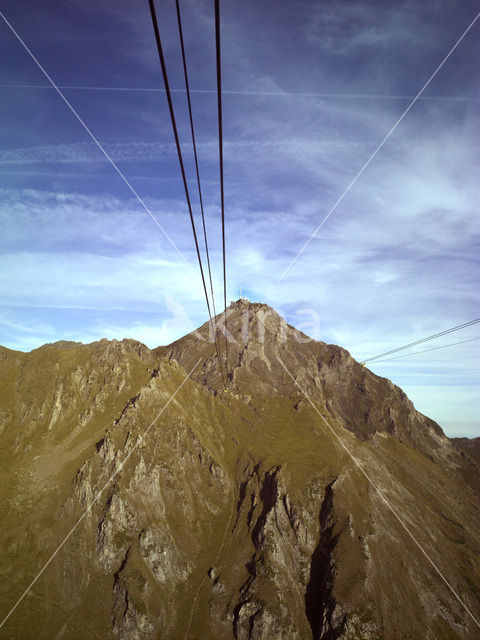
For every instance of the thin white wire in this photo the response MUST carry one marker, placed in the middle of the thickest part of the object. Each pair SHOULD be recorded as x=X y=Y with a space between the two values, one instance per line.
x=275 y=94
x=89 y=507
x=414 y=353
x=357 y=463
x=92 y=136
x=377 y=149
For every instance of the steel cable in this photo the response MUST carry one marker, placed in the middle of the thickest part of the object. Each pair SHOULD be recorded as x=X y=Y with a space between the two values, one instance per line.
x=413 y=344
x=195 y=155
x=179 y=153
x=220 y=153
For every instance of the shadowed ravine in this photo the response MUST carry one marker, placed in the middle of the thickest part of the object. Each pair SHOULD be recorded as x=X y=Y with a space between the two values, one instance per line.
x=319 y=601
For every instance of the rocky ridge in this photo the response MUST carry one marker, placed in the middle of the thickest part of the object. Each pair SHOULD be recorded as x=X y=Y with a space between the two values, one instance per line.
x=238 y=515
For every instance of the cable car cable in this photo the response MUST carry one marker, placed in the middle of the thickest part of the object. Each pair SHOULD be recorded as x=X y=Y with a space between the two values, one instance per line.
x=179 y=151
x=413 y=344
x=195 y=155
x=220 y=153
x=187 y=86
x=414 y=353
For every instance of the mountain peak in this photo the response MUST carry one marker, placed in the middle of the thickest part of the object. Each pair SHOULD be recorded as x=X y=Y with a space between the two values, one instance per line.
x=247 y=321
x=245 y=340
x=260 y=357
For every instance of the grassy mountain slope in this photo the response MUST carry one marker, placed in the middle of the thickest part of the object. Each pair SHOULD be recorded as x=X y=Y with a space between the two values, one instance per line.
x=239 y=514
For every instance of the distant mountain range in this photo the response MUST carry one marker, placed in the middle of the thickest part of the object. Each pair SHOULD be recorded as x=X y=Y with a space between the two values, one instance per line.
x=288 y=494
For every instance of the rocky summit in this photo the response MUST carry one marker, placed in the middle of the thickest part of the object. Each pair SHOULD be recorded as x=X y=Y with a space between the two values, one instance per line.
x=286 y=493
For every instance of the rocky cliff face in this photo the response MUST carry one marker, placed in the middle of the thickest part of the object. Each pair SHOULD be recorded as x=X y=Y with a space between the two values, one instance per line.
x=260 y=341
x=469 y=446
x=234 y=512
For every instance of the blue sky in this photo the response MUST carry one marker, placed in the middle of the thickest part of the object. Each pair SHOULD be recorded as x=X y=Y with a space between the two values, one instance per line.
x=311 y=88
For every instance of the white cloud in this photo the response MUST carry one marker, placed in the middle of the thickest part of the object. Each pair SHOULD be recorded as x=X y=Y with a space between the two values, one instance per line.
x=344 y=28
x=83 y=152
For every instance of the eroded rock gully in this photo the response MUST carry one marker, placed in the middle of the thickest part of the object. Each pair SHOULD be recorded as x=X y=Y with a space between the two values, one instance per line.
x=285 y=563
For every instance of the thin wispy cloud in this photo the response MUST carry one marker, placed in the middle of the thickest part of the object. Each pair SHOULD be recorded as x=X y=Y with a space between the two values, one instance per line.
x=341 y=28
x=87 y=152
